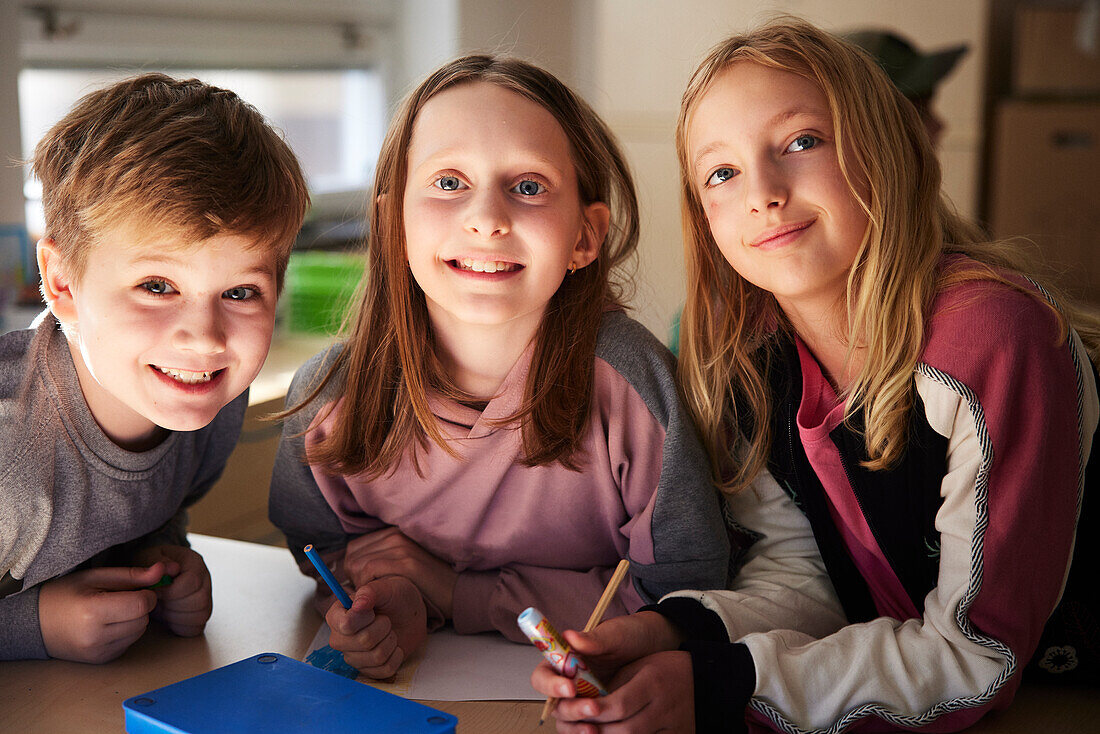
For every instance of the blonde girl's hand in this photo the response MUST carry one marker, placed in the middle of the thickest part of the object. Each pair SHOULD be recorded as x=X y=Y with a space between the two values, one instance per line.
x=390 y=552
x=654 y=694
x=387 y=621
x=93 y=616
x=184 y=605
x=611 y=645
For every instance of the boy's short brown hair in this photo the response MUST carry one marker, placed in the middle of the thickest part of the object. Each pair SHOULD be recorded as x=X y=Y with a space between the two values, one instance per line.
x=179 y=158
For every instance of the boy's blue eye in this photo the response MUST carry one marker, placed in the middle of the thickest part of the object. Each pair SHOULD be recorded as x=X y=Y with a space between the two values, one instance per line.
x=240 y=293
x=802 y=142
x=725 y=173
x=527 y=187
x=448 y=183
x=157 y=287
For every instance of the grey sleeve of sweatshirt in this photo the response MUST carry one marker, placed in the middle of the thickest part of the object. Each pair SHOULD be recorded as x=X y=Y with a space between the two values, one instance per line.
x=295 y=504
x=691 y=544
x=20 y=633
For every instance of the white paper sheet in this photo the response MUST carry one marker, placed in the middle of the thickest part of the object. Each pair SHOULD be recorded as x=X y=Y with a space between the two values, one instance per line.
x=452 y=667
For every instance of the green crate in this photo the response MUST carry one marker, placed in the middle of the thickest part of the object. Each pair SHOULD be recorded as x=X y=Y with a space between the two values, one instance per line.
x=320 y=287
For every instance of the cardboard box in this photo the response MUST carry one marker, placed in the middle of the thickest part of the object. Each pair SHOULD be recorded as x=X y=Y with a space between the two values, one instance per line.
x=1046 y=185
x=1057 y=51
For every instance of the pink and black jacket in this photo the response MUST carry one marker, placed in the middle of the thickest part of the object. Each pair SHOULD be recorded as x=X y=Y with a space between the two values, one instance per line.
x=987 y=523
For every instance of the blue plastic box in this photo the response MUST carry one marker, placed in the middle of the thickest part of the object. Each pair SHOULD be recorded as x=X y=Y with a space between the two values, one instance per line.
x=270 y=694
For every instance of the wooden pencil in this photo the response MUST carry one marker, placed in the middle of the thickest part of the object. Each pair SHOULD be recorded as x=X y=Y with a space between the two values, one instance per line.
x=594 y=619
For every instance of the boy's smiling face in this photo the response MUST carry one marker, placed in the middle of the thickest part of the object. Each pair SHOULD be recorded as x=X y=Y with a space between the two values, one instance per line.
x=163 y=334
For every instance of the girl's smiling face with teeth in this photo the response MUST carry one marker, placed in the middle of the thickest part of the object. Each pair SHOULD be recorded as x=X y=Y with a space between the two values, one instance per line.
x=164 y=334
x=493 y=216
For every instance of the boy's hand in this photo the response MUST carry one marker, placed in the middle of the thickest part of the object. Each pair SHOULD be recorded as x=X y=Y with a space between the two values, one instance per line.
x=184 y=605
x=93 y=616
x=389 y=552
x=656 y=693
x=386 y=623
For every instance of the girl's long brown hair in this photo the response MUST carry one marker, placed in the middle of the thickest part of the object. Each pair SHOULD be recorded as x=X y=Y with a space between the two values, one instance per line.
x=727 y=320
x=388 y=364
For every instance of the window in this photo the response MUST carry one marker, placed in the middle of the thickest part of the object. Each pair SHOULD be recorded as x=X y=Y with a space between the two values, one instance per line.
x=334 y=120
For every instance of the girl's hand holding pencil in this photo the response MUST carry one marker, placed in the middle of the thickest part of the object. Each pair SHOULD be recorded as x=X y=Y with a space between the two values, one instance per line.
x=636 y=656
x=655 y=693
x=378 y=629
x=565 y=684
x=387 y=621
x=619 y=641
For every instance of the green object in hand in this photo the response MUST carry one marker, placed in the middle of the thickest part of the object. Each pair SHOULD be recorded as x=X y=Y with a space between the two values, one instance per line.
x=165 y=580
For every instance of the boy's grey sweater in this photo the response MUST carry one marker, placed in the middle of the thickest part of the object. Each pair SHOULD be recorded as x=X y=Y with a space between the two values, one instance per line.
x=71 y=498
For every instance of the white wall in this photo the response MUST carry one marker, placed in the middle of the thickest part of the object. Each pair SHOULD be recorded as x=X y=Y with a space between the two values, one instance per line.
x=434 y=31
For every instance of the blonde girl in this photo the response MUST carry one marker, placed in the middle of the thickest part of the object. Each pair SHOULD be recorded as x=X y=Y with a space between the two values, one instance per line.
x=495 y=432
x=911 y=420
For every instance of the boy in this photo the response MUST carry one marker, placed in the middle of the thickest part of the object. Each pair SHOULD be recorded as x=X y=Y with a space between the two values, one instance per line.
x=171 y=209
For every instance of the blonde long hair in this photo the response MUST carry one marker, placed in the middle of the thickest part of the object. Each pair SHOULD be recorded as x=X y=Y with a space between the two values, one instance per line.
x=388 y=364
x=727 y=321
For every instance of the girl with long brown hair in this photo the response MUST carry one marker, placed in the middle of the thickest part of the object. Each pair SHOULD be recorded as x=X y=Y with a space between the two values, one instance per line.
x=495 y=432
x=901 y=417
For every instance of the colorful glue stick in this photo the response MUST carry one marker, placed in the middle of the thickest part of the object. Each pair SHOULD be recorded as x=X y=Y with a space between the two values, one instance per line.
x=337 y=589
x=539 y=630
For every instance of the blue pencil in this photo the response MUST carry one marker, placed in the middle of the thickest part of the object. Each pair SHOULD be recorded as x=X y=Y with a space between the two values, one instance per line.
x=322 y=569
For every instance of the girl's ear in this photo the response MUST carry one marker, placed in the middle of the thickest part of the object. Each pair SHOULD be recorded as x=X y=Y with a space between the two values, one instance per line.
x=56 y=283
x=597 y=221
